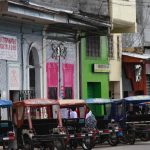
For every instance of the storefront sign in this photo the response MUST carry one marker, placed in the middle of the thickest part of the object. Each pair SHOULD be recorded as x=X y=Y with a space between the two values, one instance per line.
x=138 y=73
x=101 y=68
x=14 y=77
x=8 y=47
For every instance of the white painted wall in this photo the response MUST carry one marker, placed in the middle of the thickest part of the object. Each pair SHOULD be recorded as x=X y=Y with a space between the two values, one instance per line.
x=123 y=15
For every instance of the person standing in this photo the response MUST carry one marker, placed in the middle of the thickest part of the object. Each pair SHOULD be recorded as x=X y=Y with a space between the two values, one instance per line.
x=73 y=113
x=90 y=120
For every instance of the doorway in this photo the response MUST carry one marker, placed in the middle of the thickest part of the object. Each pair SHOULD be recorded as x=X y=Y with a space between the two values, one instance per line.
x=94 y=89
x=34 y=72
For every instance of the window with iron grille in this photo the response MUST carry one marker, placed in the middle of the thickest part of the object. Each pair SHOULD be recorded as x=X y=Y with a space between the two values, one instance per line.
x=52 y=92
x=111 y=50
x=118 y=47
x=93 y=46
x=68 y=93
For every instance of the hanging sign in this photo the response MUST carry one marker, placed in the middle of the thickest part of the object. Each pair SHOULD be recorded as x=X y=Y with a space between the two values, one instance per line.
x=138 y=73
x=8 y=47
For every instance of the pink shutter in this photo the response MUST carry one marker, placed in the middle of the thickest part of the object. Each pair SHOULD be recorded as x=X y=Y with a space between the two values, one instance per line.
x=68 y=76
x=52 y=74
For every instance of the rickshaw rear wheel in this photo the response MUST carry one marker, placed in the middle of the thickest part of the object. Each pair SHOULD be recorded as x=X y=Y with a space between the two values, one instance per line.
x=112 y=140
x=145 y=137
x=58 y=145
x=86 y=144
x=131 y=137
x=73 y=144
x=27 y=144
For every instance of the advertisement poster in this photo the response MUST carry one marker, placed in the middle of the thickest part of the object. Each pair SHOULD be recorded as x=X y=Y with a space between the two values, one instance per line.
x=8 y=47
x=14 y=77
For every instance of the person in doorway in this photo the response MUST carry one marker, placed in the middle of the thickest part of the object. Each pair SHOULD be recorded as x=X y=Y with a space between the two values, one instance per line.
x=90 y=120
x=73 y=113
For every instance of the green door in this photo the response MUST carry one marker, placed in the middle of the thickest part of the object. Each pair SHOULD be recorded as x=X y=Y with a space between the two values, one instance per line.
x=94 y=91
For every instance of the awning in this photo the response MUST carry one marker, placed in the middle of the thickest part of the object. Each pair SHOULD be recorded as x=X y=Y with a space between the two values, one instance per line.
x=140 y=56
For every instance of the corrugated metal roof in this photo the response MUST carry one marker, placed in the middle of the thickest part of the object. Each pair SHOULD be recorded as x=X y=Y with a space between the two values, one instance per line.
x=141 y=56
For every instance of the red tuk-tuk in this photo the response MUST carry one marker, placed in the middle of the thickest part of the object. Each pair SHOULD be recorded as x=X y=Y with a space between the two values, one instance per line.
x=35 y=125
x=75 y=128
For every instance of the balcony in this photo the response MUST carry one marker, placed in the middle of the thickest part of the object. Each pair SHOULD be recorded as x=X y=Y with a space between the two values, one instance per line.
x=123 y=16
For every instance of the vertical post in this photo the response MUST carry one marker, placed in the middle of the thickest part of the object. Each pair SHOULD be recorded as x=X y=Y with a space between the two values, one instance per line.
x=59 y=74
x=22 y=55
x=59 y=51
x=44 y=75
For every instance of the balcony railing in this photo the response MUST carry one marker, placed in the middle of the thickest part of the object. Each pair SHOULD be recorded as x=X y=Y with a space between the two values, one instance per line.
x=22 y=95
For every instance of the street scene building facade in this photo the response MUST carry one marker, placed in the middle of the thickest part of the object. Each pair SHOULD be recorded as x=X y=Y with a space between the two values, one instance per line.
x=67 y=69
x=49 y=49
x=136 y=50
x=67 y=49
x=122 y=22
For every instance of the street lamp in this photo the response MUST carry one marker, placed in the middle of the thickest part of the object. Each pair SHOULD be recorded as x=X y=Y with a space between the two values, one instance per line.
x=59 y=50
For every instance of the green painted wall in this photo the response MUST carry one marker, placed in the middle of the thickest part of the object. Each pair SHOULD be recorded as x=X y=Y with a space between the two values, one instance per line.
x=101 y=88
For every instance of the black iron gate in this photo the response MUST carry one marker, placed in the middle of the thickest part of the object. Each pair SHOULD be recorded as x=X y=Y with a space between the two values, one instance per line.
x=21 y=95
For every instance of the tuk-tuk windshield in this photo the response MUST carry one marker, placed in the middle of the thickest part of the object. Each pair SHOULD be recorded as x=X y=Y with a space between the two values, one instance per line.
x=80 y=111
x=5 y=105
x=5 y=114
x=36 y=112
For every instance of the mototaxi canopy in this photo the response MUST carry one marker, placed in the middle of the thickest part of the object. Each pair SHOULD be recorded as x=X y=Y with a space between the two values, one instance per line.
x=98 y=101
x=5 y=103
x=71 y=102
x=97 y=105
x=38 y=102
x=137 y=99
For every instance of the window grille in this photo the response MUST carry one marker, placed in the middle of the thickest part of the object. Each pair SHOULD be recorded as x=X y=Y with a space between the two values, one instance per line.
x=93 y=46
x=118 y=48
x=52 y=92
x=111 y=49
x=68 y=93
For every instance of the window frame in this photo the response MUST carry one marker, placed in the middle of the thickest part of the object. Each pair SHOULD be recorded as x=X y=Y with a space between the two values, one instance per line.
x=93 y=46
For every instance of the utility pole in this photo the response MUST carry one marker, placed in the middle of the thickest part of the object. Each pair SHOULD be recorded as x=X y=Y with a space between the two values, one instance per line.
x=59 y=51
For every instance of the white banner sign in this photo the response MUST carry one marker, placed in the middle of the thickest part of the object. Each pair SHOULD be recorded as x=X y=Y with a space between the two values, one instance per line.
x=8 y=47
x=14 y=77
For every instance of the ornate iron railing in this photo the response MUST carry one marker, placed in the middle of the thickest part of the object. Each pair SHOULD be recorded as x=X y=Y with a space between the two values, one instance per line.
x=21 y=95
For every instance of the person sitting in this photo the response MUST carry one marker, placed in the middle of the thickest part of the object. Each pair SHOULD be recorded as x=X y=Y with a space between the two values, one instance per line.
x=90 y=120
x=73 y=113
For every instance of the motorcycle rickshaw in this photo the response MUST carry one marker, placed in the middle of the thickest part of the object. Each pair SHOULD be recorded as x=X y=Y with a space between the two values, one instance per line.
x=124 y=135
x=106 y=132
x=134 y=120
x=7 y=135
x=78 y=133
x=35 y=125
x=143 y=121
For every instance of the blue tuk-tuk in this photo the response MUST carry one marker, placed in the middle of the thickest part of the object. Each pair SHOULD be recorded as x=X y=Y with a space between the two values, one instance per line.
x=118 y=114
x=7 y=135
x=132 y=118
x=103 y=117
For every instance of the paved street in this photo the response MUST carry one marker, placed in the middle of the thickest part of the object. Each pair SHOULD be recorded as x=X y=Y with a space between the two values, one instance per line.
x=137 y=146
